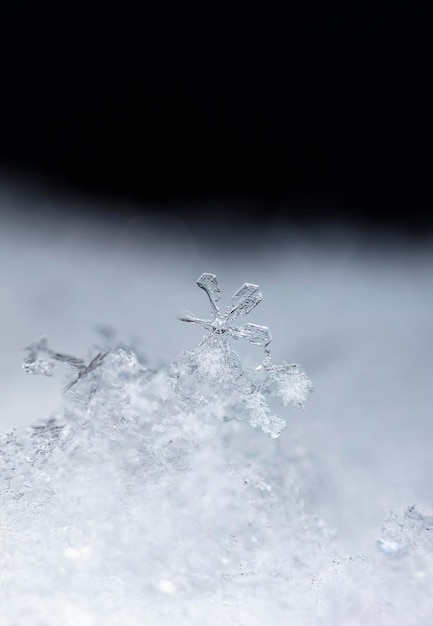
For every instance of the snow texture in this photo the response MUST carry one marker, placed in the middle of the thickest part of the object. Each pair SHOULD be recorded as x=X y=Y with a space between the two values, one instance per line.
x=144 y=499
x=140 y=502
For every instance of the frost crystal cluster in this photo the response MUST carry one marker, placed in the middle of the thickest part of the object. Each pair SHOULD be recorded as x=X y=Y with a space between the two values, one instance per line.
x=146 y=500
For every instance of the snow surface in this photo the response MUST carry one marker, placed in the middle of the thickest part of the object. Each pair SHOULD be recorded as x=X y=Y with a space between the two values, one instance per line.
x=150 y=510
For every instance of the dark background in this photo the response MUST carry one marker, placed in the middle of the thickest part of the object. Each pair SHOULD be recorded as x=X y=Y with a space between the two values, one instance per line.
x=309 y=110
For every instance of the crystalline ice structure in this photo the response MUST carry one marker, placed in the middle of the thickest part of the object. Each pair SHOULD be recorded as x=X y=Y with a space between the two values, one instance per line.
x=213 y=361
x=35 y=364
x=243 y=302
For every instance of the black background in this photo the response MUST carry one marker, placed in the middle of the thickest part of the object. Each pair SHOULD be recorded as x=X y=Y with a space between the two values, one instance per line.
x=309 y=109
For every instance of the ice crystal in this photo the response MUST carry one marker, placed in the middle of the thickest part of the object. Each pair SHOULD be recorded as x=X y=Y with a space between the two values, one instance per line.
x=36 y=364
x=242 y=303
x=400 y=536
x=214 y=363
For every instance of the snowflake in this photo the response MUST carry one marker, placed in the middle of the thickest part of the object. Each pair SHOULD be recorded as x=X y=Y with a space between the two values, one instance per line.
x=215 y=363
x=242 y=303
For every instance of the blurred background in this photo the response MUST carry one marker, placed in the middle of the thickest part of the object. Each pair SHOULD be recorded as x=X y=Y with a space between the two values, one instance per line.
x=304 y=110
x=286 y=144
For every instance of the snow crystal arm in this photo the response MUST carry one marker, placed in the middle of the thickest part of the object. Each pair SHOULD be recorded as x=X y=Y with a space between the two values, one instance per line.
x=244 y=300
x=209 y=283
x=73 y=382
x=94 y=363
x=257 y=335
x=186 y=316
x=66 y=358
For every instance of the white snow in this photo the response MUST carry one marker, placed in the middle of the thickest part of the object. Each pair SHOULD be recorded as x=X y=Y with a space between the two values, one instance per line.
x=150 y=515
